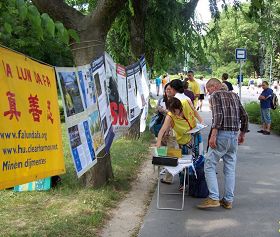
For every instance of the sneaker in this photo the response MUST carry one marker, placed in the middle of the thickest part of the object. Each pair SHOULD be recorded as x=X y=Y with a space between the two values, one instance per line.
x=164 y=181
x=225 y=204
x=260 y=131
x=208 y=203
x=266 y=133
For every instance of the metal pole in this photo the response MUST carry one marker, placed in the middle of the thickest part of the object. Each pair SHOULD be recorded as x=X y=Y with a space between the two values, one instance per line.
x=240 y=76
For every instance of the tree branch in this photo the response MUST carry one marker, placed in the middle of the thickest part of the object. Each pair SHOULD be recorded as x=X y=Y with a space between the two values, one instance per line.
x=105 y=13
x=188 y=11
x=59 y=10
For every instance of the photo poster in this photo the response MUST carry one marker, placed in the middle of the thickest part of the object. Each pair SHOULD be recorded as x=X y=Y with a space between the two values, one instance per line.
x=119 y=114
x=90 y=101
x=30 y=130
x=139 y=88
x=133 y=108
x=77 y=122
x=145 y=88
x=70 y=93
x=144 y=78
x=87 y=85
x=99 y=77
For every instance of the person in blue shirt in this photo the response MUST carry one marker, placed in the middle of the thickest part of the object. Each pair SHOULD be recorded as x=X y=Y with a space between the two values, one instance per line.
x=158 y=83
x=265 y=100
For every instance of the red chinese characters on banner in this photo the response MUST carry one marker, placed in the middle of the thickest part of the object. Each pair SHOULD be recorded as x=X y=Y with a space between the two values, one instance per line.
x=49 y=113
x=12 y=104
x=34 y=108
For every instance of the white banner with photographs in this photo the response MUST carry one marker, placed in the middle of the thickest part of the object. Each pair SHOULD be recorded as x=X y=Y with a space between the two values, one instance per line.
x=76 y=117
x=146 y=93
x=99 y=77
x=88 y=89
x=133 y=108
x=119 y=114
x=98 y=99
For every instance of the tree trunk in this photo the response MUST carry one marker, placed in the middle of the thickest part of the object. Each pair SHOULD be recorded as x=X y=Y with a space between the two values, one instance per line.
x=137 y=28
x=134 y=130
x=99 y=174
x=137 y=42
x=262 y=49
x=255 y=60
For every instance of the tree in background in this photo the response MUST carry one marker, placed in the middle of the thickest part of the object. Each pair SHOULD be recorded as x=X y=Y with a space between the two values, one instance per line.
x=252 y=26
x=235 y=30
x=25 y=30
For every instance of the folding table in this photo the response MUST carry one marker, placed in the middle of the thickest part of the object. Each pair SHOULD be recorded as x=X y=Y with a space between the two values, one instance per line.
x=183 y=164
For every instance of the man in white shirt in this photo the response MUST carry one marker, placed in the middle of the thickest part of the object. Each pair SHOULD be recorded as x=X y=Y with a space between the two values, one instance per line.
x=202 y=92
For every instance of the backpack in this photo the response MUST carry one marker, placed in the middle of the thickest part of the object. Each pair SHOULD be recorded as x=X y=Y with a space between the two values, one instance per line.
x=156 y=123
x=198 y=186
x=274 y=101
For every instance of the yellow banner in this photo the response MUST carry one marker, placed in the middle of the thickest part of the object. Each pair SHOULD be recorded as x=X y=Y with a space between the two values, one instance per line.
x=30 y=132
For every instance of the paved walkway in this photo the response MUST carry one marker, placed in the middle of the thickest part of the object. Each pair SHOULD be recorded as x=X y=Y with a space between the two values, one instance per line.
x=256 y=210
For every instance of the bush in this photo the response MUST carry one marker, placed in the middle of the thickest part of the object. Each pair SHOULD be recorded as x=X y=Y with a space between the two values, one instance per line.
x=253 y=110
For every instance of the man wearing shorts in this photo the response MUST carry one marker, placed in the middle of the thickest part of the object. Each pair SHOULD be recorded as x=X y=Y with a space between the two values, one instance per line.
x=265 y=100
x=202 y=92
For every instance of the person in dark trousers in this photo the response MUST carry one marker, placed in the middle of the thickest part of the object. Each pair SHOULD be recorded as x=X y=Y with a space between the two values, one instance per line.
x=187 y=92
x=227 y=113
x=265 y=100
x=228 y=84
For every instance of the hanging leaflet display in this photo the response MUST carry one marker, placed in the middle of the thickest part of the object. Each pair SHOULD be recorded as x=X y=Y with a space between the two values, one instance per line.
x=87 y=86
x=89 y=96
x=122 y=86
x=118 y=111
x=99 y=77
x=75 y=101
x=30 y=130
x=145 y=89
x=140 y=94
x=133 y=108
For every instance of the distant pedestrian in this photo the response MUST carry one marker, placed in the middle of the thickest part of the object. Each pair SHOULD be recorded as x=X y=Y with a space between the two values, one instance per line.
x=187 y=92
x=259 y=84
x=275 y=86
x=265 y=100
x=158 y=83
x=227 y=112
x=164 y=81
x=194 y=87
x=202 y=92
x=228 y=84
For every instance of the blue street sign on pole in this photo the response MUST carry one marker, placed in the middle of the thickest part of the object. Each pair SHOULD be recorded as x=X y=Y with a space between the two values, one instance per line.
x=240 y=54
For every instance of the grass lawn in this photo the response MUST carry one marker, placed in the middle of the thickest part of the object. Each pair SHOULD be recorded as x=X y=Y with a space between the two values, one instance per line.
x=253 y=110
x=70 y=209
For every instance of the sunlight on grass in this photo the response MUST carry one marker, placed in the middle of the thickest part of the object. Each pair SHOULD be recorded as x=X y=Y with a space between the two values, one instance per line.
x=70 y=209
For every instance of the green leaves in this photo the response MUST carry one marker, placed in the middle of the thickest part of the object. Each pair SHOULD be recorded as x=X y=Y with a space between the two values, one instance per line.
x=22 y=9
x=73 y=34
x=8 y=28
x=48 y=24
x=62 y=32
x=14 y=13
x=35 y=18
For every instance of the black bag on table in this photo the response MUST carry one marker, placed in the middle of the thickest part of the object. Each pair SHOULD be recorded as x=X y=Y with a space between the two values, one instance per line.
x=165 y=160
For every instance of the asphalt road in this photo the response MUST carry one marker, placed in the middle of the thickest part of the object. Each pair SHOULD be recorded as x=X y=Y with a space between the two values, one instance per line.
x=256 y=208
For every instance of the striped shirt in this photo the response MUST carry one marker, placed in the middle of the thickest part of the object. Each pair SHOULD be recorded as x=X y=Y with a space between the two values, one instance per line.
x=227 y=112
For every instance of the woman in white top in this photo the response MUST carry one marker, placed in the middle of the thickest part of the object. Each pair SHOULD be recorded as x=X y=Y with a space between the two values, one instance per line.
x=177 y=90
